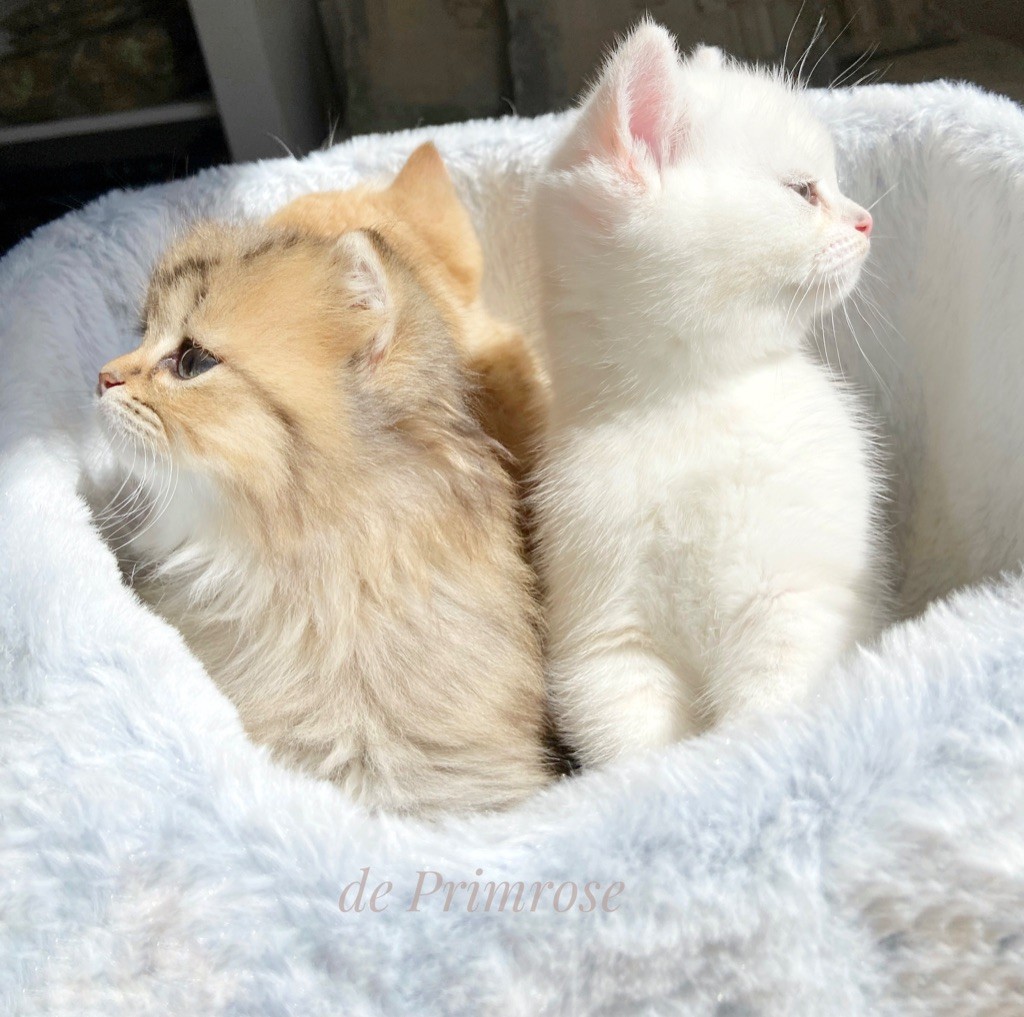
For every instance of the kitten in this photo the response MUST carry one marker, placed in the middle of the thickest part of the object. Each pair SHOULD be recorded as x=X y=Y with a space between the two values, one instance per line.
x=421 y=217
x=324 y=520
x=706 y=514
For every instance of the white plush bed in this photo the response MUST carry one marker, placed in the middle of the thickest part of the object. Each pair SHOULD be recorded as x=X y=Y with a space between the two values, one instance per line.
x=866 y=857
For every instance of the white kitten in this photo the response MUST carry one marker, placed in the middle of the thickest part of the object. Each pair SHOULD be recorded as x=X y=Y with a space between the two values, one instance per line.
x=706 y=515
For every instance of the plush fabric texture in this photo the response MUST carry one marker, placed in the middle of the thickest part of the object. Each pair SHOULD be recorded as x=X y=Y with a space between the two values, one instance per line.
x=865 y=856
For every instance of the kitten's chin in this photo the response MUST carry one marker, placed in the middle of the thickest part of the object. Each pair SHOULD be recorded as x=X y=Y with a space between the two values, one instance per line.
x=161 y=511
x=148 y=504
x=839 y=285
x=838 y=270
x=134 y=434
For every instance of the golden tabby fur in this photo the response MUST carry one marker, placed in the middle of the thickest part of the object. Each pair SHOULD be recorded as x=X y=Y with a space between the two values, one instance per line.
x=421 y=217
x=324 y=519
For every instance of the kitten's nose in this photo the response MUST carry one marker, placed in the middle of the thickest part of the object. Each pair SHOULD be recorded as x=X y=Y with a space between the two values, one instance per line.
x=864 y=223
x=108 y=380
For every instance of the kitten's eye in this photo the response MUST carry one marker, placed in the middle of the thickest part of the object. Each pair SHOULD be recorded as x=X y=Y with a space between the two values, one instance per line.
x=807 y=190
x=193 y=360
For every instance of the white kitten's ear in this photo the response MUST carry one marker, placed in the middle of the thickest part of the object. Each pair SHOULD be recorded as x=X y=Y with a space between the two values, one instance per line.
x=708 y=58
x=633 y=119
x=368 y=288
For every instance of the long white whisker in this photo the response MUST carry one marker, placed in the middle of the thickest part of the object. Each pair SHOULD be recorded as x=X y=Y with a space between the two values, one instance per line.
x=818 y=29
x=874 y=333
x=825 y=52
x=852 y=69
x=819 y=318
x=883 y=195
x=166 y=498
x=881 y=317
x=863 y=352
x=792 y=29
x=135 y=501
x=835 y=331
x=875 y=277
x=109 y=508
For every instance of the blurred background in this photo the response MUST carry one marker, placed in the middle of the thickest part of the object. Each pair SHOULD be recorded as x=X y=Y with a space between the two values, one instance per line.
x=99 y=94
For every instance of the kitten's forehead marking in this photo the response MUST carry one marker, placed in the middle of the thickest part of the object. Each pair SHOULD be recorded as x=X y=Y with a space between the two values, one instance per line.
x=167 y=291
x=182 y=282
x=278 y=241
x=191 y=266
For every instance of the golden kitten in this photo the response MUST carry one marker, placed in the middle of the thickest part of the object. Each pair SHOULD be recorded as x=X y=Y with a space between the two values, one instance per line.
x=325 y=520
x=422 y=218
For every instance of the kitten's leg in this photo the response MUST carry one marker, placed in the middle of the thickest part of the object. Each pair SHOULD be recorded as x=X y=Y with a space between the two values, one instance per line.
x=777 y=649
x=618 y=702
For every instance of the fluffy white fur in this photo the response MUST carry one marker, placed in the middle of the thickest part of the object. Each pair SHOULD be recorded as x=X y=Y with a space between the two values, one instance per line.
x=706 y=518
x=859 y=857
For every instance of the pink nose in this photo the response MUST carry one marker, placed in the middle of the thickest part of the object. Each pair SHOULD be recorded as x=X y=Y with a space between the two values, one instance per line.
x=107 y=380
x=863 y=224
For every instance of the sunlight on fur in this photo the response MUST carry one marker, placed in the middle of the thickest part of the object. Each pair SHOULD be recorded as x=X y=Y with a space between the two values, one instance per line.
x=707 y=515
x=325 y=439
x=306 y=494
x=421 y=217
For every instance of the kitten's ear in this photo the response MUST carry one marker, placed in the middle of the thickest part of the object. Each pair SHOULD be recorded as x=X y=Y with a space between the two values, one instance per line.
x=707 y=58
x=368 y=289
x=633 y=120
x=425 y=176
x=428 y=200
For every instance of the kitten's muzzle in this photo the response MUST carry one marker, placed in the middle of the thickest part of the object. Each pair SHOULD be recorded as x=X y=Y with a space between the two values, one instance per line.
x=108 y=380
x=864 y=223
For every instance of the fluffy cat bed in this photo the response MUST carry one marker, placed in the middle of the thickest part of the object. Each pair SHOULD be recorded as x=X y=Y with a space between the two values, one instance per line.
x=864 y=857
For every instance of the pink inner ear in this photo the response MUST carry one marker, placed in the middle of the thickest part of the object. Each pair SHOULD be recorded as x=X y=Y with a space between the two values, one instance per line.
x=635 y=116
x=649 y=100
x=649 y=103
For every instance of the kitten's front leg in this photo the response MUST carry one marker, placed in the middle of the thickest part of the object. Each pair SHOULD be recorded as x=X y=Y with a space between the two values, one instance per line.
x=618 y=702
x=778 y=648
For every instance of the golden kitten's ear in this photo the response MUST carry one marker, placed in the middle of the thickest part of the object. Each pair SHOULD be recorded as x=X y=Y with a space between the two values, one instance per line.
x=424 y=177
x=426 y=197
x=368 y=288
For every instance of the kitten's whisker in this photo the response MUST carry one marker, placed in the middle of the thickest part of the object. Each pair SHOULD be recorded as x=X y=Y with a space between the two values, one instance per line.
x=113 y=509
x=109 y=509
x=832 y=319
x=870 y=301
x=162 y=503
x=138 y=494
x=863 y=353
x=274 y=137
x=160 y=507
x=835 y=331
x=789 y=38
x=842 y=31
x=862 y=297
x=135 y=502
x=802 y=292
x=874 y=333
x=151 y=511
x=881 y=317
x=852 y=69
x=819 y=330
x=877 y=72
x=876 y=277
x=818 y=30
x=883 y=195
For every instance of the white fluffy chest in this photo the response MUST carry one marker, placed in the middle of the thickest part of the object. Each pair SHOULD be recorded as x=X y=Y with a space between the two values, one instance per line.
x=684 y=507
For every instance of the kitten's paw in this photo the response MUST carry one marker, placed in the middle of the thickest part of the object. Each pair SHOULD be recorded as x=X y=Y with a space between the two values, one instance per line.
x=621 y=703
